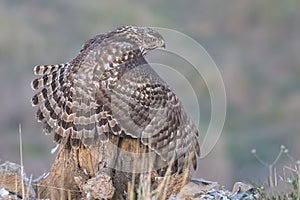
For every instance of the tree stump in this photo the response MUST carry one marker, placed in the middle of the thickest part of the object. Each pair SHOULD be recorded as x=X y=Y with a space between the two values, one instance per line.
x=111 y=165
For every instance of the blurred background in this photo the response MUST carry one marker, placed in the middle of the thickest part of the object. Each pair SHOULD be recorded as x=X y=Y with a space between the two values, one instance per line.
x=254 y=43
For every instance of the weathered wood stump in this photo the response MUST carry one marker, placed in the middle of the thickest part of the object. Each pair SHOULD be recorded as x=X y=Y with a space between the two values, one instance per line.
x=108 y=169
x=14 y=184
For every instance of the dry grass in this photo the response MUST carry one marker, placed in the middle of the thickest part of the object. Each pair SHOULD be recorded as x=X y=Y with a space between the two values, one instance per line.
x=143 y=186
x=279 y=187
x=150 y=185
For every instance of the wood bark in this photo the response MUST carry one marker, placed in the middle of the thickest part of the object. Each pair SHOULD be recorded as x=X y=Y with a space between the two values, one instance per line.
x=116 y=161
x=107 y=169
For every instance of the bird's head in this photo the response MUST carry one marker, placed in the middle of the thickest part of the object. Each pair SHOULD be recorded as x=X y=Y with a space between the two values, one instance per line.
x=146 y=38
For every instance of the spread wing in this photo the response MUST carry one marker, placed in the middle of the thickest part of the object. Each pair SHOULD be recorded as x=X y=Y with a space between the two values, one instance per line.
x=66 y=99
x=127 y=100
x=143 y=106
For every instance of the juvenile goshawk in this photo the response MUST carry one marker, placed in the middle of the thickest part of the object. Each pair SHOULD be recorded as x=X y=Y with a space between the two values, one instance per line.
x=109 y=88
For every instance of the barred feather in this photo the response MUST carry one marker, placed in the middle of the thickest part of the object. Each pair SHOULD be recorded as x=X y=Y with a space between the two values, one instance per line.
x=109 y=88
x=54 y=76
x=46 y=69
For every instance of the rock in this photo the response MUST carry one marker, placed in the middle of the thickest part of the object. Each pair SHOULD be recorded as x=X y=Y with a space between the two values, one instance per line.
x=244 y=191
x=199 y=189
x=14 y=182
x=196 y=188
x=99 y=186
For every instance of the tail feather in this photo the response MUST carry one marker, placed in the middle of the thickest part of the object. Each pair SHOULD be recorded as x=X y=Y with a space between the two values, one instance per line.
x=49 y=109
x=55 y=88
x=46 y=69
x=52 y=106
x=67 y=108
x=84 y=122
x=51 y=84
x=49 y=78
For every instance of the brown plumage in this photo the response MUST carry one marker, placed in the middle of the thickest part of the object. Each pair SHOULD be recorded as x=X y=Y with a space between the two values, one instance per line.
x=109 y=88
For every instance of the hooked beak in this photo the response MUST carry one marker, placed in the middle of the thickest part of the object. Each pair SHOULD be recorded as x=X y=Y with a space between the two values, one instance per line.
x=163 y=44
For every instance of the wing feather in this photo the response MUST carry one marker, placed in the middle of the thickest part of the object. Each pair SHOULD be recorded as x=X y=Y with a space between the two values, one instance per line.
x=144 y=107
x=125 y=97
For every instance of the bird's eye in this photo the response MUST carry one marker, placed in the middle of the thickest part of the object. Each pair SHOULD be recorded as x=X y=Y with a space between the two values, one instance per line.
x=153 y=39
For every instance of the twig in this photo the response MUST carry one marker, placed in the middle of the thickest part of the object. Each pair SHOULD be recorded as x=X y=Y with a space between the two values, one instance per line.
x=298 y=166
x=21 y=158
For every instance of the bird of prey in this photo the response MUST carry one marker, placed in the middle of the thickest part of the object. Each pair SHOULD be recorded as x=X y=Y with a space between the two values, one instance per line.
x=109 y=88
